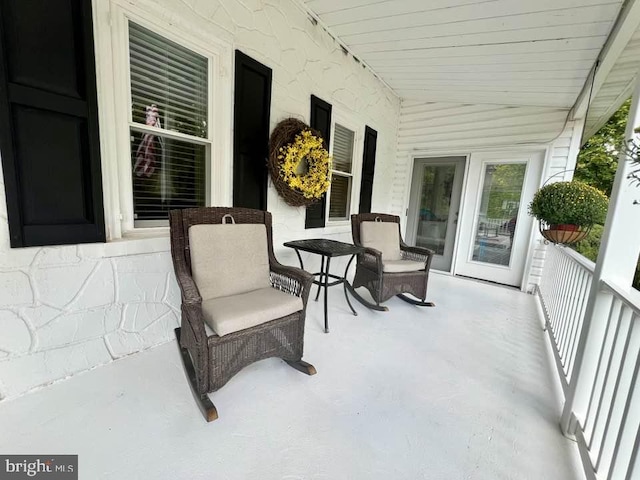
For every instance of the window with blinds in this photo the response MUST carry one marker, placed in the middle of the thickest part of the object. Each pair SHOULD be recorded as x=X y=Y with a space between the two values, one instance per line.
x=341 y=174
x=169 y=133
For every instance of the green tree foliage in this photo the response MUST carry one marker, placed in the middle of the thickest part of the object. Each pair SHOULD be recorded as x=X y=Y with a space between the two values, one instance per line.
x=598 y=158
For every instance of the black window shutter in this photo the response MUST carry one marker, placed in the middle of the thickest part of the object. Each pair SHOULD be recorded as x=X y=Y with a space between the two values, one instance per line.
x=252 y=109
x=321 y=121
x=49 y=123
x=368 y=169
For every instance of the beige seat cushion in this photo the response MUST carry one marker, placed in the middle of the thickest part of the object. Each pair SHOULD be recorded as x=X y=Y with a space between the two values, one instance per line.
x=229 y=259
x=236 y=312
x=396 y=266
x=383 y=236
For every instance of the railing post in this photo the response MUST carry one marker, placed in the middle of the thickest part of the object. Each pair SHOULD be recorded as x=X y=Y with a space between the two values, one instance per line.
x=617 y=259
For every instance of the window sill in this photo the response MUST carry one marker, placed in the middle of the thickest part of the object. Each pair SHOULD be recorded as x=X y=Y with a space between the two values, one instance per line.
x=151 y=240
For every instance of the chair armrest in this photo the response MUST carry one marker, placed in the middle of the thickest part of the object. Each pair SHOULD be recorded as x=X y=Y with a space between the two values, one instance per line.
x=418 y=253
x=192 y=316
x=188 y=288
x=371 y=258
x=291 y=280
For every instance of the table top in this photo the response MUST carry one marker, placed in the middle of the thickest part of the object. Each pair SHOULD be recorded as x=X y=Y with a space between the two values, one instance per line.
x=326 y=247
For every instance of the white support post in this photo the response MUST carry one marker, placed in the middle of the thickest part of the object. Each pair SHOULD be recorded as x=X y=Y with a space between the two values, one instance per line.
x=617 y=259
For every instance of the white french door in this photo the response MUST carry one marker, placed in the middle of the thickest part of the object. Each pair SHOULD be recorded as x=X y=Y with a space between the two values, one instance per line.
x=434 y=205
x=495 y=227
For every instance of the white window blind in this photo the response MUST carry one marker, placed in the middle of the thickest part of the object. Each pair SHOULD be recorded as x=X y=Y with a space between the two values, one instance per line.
x=341 y=176
x=169 y=96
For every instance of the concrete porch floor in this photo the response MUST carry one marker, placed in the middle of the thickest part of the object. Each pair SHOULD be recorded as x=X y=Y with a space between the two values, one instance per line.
x=464 y=390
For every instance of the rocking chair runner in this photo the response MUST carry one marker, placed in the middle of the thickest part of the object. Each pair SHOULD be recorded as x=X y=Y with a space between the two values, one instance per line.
x=239 y=305
x=389 y=267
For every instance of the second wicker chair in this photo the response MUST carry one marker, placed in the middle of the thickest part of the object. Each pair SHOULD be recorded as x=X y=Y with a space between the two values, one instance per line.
x=389 y=267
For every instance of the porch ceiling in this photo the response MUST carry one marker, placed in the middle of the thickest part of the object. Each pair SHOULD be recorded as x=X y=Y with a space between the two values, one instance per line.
x=527 y=52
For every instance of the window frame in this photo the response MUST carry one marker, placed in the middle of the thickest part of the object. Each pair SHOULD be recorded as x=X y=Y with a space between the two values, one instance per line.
x=111 y=22
x=356 y=167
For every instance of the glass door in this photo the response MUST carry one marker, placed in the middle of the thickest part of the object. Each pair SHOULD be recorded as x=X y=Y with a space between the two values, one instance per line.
x=496 y=228
x=434 y=207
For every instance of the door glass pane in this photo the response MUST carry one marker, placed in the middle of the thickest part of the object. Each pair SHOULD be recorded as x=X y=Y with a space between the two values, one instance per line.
x=498 y=212
x=435 y=200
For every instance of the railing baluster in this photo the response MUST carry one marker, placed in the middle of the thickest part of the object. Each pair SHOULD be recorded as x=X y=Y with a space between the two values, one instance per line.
x=612 y=385
x=633 y=467
x=626 y=442
x=606 y=353
x=566 y=306
x=620 y=397
x=569 y=317
x=581 y=312
x=605 y=401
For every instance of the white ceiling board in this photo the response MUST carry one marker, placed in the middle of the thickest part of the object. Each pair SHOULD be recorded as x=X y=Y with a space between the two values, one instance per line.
x=524 y=52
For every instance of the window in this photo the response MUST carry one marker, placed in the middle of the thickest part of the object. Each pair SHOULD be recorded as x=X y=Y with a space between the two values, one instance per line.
x=343 y=142
x=168 y=126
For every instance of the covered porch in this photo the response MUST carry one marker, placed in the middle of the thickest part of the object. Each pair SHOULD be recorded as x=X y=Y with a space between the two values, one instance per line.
x=463 y=391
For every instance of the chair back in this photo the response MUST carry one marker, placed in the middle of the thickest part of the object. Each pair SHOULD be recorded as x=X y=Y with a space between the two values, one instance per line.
x=181 y=221
x=384 y=237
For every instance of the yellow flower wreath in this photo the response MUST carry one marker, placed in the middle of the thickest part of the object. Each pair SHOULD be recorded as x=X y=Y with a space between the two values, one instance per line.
x=306 y=147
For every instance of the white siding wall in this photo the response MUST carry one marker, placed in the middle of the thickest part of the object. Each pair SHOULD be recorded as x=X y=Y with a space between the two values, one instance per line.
x=64 y=310
x=458 y=129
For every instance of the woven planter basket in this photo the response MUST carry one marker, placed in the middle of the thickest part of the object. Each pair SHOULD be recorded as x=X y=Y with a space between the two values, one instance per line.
x=285 y=133
x=563 y=236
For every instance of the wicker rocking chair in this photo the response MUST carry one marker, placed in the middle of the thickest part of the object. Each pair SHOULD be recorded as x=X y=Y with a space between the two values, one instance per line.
x=239 y=305
x=389 y=267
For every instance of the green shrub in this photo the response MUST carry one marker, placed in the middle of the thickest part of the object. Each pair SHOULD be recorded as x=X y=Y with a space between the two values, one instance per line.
x=591 y=244
x=574 y=203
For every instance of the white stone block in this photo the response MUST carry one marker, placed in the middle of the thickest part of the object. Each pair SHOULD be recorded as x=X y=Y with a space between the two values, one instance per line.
x=54 y=256
x=152 y=263
x=40 y=315
x=13 y=259
x=78 y=327
x=160 y=331
x=173 y=297
x=57 y=286
x=138 y=317
x=15 y=289
x=99 y=288
x=141 y=287
x=15 y=337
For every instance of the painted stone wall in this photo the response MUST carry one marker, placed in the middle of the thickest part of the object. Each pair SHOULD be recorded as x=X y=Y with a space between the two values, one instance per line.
x=65 y=310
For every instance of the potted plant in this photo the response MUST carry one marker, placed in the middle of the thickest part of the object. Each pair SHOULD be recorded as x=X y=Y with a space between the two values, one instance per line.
x=567 y=210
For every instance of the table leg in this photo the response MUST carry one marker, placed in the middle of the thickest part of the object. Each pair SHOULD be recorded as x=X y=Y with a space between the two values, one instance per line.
x=326 y=289
x=320 y=279
x=345 y=283
x=299 y=259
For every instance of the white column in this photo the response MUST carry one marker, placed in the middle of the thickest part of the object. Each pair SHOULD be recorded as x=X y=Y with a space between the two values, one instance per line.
x=616 y=264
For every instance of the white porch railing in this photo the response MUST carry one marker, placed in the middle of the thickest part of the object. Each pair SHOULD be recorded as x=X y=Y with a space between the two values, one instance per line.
x=563 y=292
x=608 y=432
